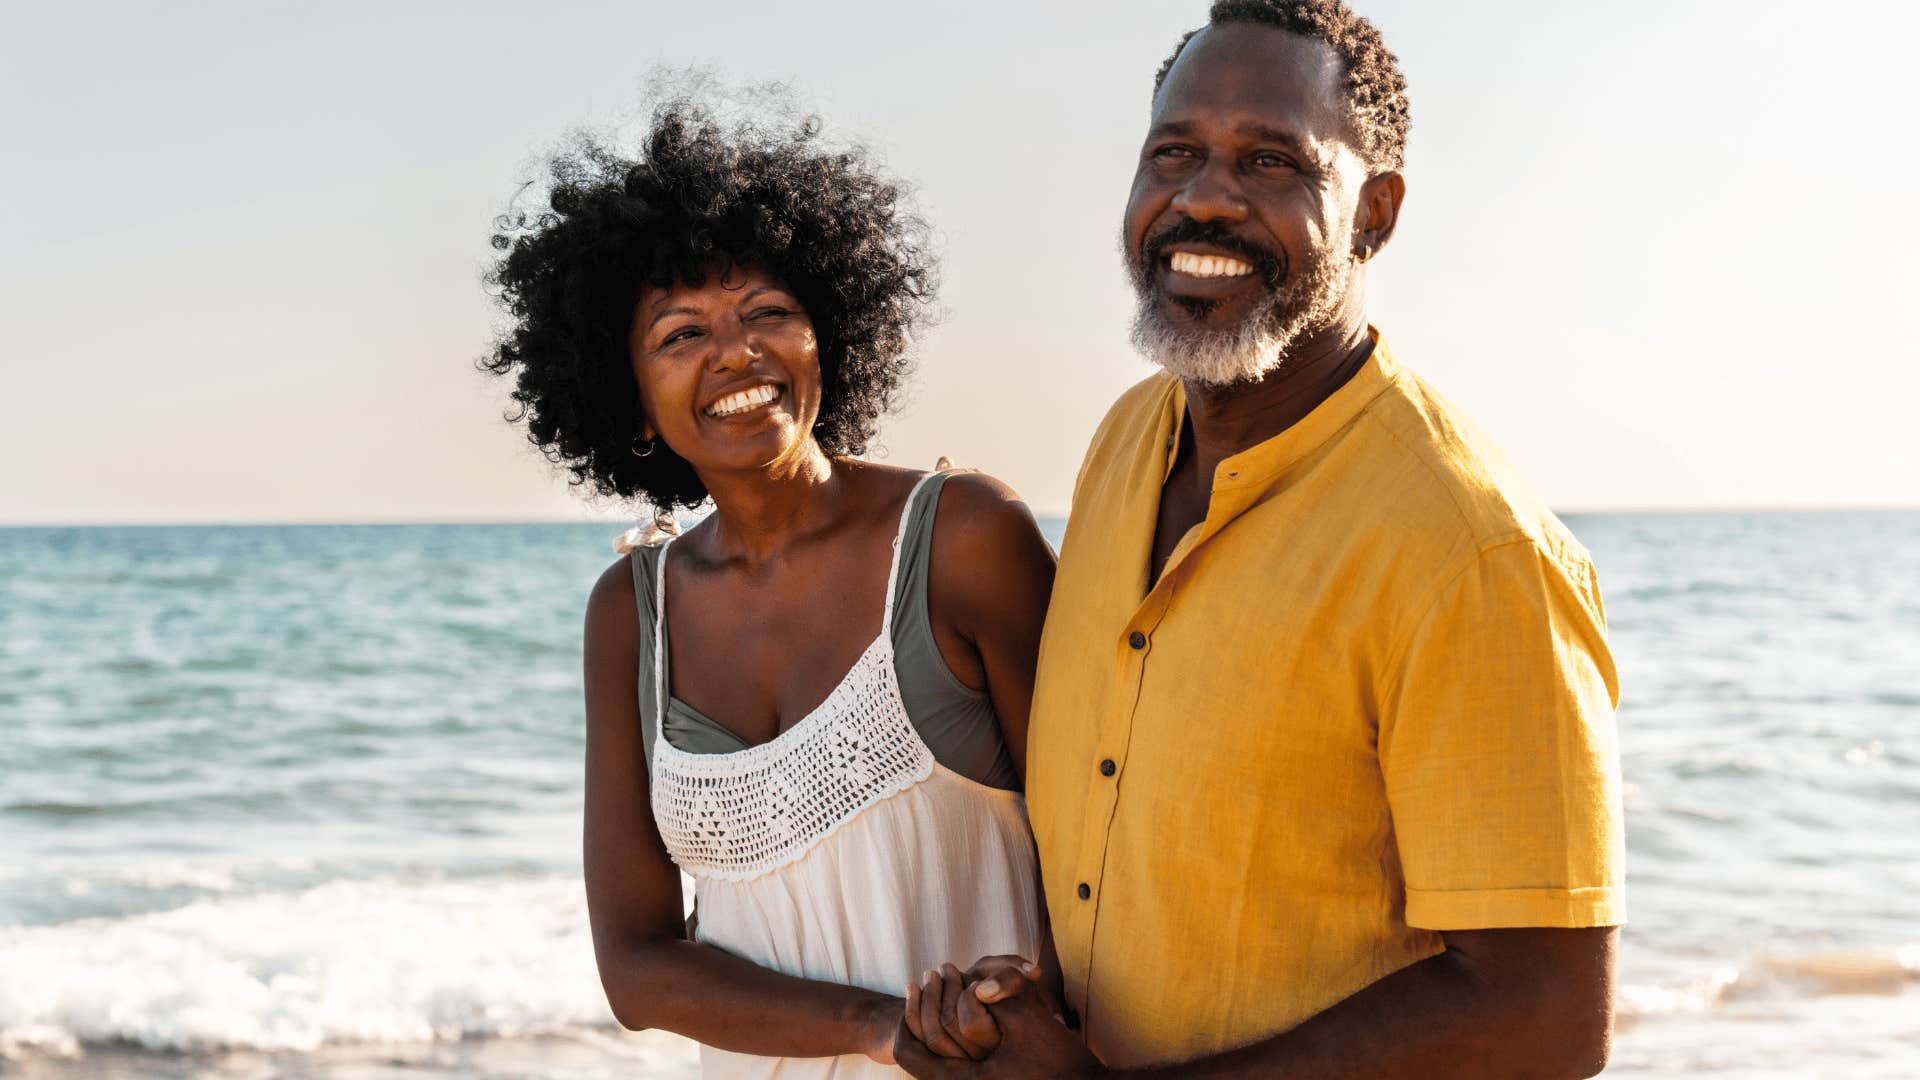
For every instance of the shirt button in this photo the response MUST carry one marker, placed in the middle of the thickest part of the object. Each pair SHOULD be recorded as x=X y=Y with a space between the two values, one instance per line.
x=1085 y=891
x=1107 y=768
x=1137 y=639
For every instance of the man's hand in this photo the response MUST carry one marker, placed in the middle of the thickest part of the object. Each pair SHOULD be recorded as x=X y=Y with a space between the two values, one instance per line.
x=1033 y=1045
x=994 y=979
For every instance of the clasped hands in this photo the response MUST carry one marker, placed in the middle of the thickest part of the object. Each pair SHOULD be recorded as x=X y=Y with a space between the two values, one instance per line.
x=997 y=1019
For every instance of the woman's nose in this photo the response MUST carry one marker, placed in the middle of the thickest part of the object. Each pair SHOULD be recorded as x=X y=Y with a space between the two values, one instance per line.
x=734 y=346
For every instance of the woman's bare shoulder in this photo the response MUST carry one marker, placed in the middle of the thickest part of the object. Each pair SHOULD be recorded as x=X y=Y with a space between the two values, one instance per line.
x=612 y=608
x=982 y=506
x=985 y=539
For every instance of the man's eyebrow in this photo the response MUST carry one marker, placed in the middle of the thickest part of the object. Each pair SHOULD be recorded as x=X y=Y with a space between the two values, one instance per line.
x=1255 y=131
x=1288 y=139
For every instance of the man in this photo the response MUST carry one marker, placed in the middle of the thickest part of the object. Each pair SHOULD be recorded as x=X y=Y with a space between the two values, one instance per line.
x=1322 y=768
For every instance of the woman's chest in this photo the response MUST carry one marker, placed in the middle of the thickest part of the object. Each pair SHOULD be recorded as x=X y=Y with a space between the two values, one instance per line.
x=758 y=656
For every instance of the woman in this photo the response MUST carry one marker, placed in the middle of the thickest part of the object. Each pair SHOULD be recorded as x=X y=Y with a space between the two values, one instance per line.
x=814 y=702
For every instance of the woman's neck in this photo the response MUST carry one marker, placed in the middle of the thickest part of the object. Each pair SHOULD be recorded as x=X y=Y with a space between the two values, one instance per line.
x=759 y=513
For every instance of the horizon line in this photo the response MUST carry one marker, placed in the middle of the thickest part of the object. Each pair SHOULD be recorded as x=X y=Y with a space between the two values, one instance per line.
x=1623 y=510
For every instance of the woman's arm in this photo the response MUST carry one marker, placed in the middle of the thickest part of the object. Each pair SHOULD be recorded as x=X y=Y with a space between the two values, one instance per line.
x=653 y=976
x=990 y=576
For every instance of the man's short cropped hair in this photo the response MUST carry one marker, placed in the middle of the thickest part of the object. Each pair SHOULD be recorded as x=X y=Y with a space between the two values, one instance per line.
x=1376 y=91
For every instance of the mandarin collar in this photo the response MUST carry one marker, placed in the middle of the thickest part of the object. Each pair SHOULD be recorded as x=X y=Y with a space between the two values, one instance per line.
x=1260 y=464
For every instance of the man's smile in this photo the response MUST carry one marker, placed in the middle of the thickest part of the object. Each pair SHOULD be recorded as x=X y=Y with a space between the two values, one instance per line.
x=1190 y=272
x=1207 y=266
x=1201 y=261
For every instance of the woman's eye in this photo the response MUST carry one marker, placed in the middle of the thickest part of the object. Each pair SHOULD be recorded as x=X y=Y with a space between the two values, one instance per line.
x=771 y=312
x=683 y=334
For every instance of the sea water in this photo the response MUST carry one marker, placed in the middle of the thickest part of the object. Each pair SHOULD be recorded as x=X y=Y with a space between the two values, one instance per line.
x=304 y=801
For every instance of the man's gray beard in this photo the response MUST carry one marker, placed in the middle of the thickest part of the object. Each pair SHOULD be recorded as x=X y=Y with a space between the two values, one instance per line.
x=1256 y=348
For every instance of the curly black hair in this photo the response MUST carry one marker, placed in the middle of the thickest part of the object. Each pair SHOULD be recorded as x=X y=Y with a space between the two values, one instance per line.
x=1376 y=91
x=699 y=191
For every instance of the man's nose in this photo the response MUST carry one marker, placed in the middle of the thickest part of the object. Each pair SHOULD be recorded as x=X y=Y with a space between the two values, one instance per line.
x=1212 y=194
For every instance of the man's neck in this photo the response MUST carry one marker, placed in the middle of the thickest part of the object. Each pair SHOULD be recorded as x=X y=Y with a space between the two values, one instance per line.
x=1224 y=420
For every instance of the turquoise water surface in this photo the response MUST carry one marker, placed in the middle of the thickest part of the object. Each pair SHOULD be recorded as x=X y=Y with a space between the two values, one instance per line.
x=304 y=800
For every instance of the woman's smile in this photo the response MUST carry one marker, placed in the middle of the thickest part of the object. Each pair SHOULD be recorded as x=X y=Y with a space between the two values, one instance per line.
x=746 y=403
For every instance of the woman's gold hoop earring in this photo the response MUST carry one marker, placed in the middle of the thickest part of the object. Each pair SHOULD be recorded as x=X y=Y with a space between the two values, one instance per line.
x=651 y=445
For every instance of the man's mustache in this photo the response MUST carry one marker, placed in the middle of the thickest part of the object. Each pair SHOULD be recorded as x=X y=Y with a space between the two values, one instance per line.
x=1271 y=266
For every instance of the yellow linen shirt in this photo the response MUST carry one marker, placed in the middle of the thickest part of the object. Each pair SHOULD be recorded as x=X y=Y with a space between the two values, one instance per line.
x=1370 y=698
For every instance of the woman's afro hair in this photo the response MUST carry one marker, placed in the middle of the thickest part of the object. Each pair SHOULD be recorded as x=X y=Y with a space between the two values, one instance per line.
x=699 y=192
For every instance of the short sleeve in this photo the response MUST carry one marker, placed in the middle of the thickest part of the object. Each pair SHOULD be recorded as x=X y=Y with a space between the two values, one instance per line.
x=1497 y=743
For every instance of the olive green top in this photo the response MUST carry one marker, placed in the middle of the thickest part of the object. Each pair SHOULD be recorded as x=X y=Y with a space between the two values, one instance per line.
x=957 y=723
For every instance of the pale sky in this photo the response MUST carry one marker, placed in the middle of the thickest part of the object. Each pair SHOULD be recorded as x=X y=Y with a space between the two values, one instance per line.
x=1663 y=252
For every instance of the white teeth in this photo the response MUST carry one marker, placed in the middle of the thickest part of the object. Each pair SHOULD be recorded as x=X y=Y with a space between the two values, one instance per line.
x=1209 y=265
x=742 y=401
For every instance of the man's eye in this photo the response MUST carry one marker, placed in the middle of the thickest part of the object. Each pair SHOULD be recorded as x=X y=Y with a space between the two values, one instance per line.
x=1272 y=161
x=1172 y=152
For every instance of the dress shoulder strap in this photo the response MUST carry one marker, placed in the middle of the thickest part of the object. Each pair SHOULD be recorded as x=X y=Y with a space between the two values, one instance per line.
x=660 y=633
x=649 y=591
x=893 y=571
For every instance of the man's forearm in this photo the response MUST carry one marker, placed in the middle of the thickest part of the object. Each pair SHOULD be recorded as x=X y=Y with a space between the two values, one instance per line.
x=1468 y=1012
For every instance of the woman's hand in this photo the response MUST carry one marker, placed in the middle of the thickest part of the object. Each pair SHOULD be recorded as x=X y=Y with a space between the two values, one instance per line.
x=947 y=1010
x=1033 y=1046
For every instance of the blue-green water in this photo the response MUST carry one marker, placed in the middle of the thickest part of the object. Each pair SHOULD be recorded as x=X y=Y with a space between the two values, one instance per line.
x=305 y=799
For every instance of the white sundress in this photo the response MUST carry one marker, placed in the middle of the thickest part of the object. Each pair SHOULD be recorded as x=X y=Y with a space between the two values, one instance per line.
x=841 y=850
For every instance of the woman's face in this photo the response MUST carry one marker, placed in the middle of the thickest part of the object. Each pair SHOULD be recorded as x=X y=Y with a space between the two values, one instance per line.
x=729 y=371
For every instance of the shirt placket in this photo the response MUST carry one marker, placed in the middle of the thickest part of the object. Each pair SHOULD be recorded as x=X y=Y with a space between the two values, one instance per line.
x=1133 y=650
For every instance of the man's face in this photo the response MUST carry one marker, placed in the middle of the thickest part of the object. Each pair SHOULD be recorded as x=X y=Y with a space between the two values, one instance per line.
x=1238 y=232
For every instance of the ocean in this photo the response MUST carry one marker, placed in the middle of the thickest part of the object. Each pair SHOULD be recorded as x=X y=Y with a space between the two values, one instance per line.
x=303 y=801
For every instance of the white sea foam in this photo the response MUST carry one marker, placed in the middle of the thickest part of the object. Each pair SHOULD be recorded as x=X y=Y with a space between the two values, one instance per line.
x=347 y=962
x=1889 y=973
x=1695 y=996
x=163 y=874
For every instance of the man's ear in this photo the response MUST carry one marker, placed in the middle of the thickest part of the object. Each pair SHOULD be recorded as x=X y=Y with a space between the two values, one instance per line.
x=1373 y=225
